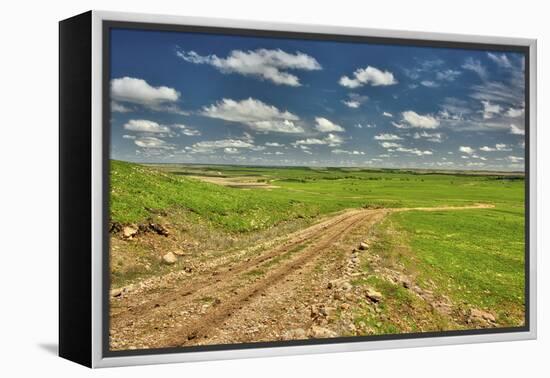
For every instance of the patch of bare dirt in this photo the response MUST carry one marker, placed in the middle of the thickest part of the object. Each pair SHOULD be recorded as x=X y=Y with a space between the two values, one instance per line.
x=236 y=182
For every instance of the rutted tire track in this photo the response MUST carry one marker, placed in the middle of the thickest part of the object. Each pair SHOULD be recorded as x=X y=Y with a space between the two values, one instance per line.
x=227 y=275
x=201 y=327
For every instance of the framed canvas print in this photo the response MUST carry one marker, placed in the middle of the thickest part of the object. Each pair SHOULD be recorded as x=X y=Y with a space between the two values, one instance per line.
x=234 y=189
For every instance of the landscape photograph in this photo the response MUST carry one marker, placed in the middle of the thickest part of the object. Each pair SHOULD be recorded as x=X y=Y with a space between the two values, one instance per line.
x=270 y=189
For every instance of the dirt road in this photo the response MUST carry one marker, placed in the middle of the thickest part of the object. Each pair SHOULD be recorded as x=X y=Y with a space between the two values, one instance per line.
x=274 y=291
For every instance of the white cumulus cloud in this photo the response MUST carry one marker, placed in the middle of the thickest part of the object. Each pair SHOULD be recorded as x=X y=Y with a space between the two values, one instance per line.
x=387 y=136
x=119 y=108
x=355 y=100
x=255 y=114
x=138 y=91
x=466 y=149
x=515 y=112
x=310 y=141
x=346 y=152
x=265 y=64
x=332 y=140
x=368 y=76
x=497 y=147
x=430 y=137
x=516 y=130
x=411 y=119
x=145 y=126
x=515 y=159
x=230 y=146
x=414 y=151
x=186 y=130
x=351 y=103
x=153 y=143
x=490 y=110
x=487 y=149
x=388 y=145
x=325 y=126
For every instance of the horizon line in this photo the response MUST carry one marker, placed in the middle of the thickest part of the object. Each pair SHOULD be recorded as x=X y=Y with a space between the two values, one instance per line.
x=328 y=166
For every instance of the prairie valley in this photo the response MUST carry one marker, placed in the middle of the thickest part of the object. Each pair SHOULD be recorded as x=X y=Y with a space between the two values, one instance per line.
x=217 y=254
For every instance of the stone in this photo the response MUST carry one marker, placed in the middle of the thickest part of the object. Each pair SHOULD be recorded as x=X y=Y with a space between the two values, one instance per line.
x=443 y=307
x=117 y=292
x=129 y=232
x=323 y=311
x=329 y=310
x=374 y=295
x=363 y=246
x=333 y=284
x=159 y=229
x=321 y=332
x=319 y=311
x=406 y=282
x=179 y=252
x=115 y=227
x=346 y=286
x=350 y=297
x=294 y=334
x=482 y=315
x=336 y=284
x=169 y=258
x=313 y=311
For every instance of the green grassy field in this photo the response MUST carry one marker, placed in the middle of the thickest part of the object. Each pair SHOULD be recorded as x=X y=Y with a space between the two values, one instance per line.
x=475 y=257
x=302 y=192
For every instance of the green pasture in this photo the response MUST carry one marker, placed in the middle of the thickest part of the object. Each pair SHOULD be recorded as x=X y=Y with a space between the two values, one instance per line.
x=474 y=257
x=138 y=190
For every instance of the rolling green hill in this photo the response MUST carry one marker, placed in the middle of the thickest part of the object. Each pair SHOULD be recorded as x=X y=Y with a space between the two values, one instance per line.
x=136 y=190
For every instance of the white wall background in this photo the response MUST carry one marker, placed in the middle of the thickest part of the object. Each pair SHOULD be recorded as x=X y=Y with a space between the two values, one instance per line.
x=28 y=157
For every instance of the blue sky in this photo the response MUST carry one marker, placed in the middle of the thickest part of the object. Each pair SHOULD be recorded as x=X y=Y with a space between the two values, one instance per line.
x=205 y=98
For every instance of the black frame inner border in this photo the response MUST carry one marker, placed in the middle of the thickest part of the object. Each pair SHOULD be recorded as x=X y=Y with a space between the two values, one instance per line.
x=108 y=25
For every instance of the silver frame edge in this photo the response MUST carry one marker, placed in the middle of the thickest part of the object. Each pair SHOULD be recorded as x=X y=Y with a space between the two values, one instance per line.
x=97 y=194
x=97 y=191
